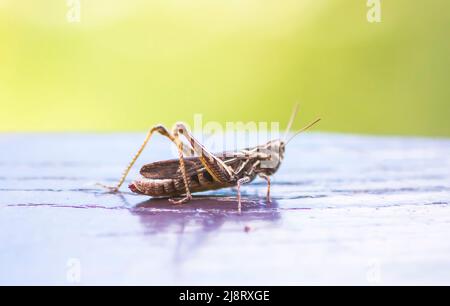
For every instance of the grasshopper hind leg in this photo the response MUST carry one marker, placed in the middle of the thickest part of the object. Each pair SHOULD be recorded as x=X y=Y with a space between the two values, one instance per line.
x=181 y=149
x=186 y=199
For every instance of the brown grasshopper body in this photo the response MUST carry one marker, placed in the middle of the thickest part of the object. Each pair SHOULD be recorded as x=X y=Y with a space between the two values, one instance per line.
x=206 y=171
x=164 y=178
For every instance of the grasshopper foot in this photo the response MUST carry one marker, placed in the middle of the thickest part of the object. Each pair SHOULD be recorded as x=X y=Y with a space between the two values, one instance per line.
x=113 y=189
x=181 y=201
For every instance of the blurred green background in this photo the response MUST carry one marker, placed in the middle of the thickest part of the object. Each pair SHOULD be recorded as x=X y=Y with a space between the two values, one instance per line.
x=129 y=64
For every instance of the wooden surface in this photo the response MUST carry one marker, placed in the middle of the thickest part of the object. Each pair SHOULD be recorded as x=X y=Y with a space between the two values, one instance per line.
x=346 y=210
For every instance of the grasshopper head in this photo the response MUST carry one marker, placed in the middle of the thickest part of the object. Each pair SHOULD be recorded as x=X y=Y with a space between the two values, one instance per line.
x=275 y=149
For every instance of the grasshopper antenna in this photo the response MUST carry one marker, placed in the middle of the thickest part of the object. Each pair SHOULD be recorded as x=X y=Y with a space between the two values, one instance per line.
x=291 y=121
x=303 y=129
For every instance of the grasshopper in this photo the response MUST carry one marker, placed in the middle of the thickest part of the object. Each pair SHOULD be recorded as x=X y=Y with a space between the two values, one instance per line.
x=197 y=169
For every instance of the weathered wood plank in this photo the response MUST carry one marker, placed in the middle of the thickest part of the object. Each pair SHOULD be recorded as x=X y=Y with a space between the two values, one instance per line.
x=347 y=210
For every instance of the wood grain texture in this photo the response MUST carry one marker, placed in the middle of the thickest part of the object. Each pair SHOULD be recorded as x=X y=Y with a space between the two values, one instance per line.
x=346 y=210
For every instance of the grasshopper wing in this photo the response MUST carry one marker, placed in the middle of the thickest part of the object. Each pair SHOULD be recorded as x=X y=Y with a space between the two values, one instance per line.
x=168 y=169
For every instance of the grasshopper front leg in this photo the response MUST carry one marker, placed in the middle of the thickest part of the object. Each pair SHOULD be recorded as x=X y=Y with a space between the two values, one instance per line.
x=267 y=178
x=241 y=181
